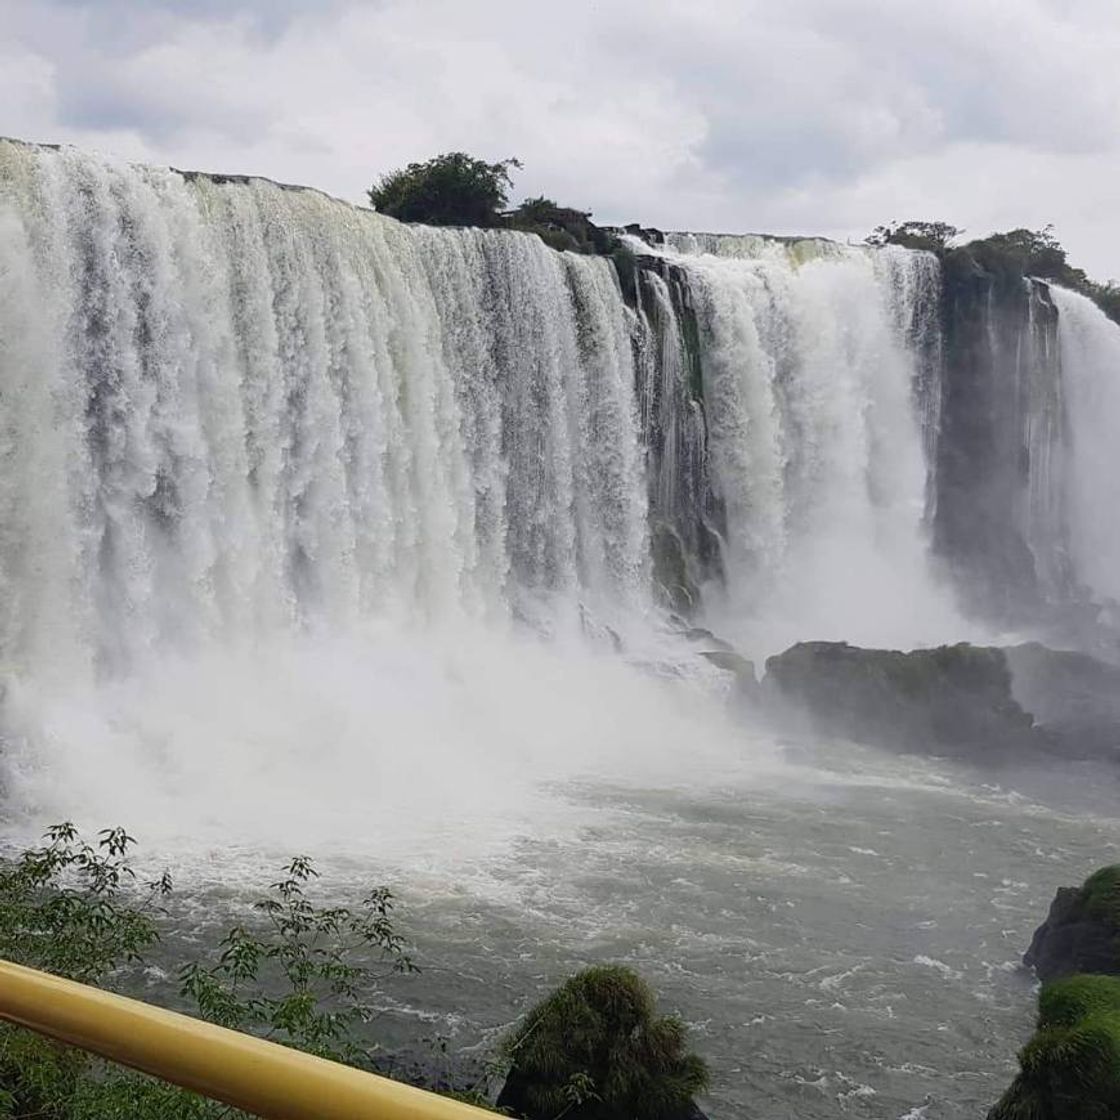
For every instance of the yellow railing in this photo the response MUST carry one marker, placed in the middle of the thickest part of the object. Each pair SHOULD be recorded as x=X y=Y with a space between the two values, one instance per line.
x=260 y=1077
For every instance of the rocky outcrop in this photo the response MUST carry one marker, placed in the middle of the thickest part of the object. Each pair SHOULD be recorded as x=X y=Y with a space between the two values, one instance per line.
x=997 y=506
x=984 y=703
x=953 y=699
x=1082 y=931
x=1075 y=697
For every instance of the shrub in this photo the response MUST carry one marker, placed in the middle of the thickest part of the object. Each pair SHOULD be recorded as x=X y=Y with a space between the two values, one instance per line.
x=1064 y=1002
x=1100 y=895
x=595 y=1050
x=309 y=956
x=453 y=189
x=302 y=977
x=1070 y=1069
x=67 y=907
x=63 y=908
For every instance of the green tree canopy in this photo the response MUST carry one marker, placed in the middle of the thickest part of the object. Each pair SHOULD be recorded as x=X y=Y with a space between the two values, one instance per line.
x=934 y=236
x=453 y=189
x=1016 y=253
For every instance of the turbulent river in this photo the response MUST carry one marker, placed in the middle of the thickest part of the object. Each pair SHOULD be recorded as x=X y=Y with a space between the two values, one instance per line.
x=320 y=533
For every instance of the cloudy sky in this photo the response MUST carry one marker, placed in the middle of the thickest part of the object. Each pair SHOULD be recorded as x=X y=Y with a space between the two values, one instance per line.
x=785 y=116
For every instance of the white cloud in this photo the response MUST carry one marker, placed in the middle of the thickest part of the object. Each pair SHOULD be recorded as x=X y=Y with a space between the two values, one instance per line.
x=805 y=116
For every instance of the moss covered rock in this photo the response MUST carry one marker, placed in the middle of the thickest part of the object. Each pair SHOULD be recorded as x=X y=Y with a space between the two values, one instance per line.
x=561 y=227
x=1070 y=1069
x=1082 y=931
x=952 y=699
x=596 y=1050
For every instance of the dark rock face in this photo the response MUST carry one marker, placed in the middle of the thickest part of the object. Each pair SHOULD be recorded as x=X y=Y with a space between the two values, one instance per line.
x=561 y=227
x=687 y=518
x=997 y=516
x=1081 y=932
x=649 y=234
x=979 y=702
x=1069 y=942
x=1074 y=696
x=953 y=699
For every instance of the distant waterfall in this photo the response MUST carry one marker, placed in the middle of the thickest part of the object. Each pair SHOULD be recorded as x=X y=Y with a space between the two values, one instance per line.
x=1090 y=360
x=232 y=408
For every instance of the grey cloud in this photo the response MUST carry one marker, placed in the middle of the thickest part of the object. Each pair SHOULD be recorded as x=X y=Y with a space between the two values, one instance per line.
x=269 y=17
x=816 y=91
x=748 y=114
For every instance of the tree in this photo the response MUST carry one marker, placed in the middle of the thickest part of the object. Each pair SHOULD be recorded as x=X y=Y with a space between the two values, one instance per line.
x=595 y=1050
x=1032 y=252
x=453 y=189
x=935 y=237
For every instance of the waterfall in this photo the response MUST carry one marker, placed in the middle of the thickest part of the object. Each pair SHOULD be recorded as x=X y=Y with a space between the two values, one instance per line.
x=290 y=490
x=235 y=408
x=820 y=381
x=1090 y=361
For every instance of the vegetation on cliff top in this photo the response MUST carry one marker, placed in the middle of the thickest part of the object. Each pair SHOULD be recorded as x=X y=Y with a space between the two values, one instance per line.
x=453 y=189
x=1100 y=896
x=456 y=189
x=1019 y=252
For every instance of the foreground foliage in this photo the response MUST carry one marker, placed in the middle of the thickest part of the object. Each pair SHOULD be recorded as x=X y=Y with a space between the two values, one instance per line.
x=305 y=976
x=596 y=1050
x=302 y=976
x=1070 y=1069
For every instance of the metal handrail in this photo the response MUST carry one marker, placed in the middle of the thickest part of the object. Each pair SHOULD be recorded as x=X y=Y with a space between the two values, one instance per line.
x=263 y=1078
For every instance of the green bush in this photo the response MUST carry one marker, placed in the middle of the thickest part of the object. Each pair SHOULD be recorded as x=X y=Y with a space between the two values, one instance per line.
x=308 y=956
x=67 y=907
x=62 y=906
x=1100 y=895
x=1070 y=1069
x=453 y=189
x=934 y=237
x=596 y=1050
x=1064 y=1002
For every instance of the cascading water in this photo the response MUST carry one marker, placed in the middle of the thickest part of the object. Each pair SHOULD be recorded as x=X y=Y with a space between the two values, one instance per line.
x=245 y=407
x=820 y=374
x=242 y=420
x=1090 y=362
x=256 y=442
